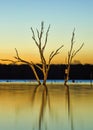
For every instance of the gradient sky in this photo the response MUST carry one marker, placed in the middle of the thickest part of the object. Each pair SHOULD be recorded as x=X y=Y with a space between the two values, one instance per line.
x=17 y=16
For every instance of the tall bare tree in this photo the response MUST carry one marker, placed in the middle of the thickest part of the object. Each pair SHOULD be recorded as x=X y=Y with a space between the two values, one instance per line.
x=45 y=65
x=71 y=54
x=41 y=47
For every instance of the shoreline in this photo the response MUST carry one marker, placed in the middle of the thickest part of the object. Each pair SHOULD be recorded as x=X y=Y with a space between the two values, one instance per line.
x=28 y=85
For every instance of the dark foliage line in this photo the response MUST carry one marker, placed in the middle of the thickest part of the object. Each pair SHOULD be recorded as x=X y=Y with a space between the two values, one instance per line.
x=56 y=72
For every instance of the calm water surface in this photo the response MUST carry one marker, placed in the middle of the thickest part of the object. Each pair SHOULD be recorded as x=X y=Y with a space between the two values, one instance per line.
x=54 y=108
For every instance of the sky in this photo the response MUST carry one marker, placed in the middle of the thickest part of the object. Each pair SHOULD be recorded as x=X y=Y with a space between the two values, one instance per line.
x=18 y=16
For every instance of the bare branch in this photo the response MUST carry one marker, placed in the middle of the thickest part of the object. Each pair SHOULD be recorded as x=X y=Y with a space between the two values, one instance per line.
x=77 y=50
x=54 y=53
x=33 y=32
x=42 y=29
x=46 y=38
x=20 y=59
x=33 y=37
x=59 y=48
x=72 y=41
x=37 y=65
x=30 y=64
x=37 y=33
x=51 y=54
x=73 y=36
x=17 y=53
x=14 y=62
x=40 y=35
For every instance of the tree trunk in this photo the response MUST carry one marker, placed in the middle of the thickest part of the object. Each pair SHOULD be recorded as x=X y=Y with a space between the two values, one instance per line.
x=44 y=81
x=67 y=74
x=45 y=78
x=37 y=78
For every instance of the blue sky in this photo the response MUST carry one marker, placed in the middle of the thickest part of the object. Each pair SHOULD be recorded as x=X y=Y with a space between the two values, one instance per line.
x=17 y=16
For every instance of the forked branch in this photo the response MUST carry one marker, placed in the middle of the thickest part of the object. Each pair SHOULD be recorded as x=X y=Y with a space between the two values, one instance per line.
x=53 y=53
x=20 y=59
x=75 y=52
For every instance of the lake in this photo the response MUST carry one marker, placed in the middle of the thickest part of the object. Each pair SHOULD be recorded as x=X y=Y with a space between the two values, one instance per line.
x=27 y=107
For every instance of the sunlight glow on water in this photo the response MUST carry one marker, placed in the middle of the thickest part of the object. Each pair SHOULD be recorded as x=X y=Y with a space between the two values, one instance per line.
x=42 y=109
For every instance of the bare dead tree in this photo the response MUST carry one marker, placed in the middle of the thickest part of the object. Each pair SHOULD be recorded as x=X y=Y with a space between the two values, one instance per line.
x=41 y=47
x=71 y=54
x=45 y=65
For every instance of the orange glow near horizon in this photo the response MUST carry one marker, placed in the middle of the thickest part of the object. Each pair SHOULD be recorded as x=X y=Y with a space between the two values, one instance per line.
x=16 y=23
x=58 y=59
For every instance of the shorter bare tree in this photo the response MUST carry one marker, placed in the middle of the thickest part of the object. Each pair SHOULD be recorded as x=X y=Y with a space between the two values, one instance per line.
x=71 y=55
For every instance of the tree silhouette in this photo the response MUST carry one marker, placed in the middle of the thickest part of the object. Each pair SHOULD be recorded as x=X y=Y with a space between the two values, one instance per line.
x=45 y=65
x=41 y=47
x=71 y=54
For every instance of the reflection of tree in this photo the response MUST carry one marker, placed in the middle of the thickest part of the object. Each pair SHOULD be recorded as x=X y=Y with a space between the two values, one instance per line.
x=43 y=106
x=44 y=101
x=70 y=114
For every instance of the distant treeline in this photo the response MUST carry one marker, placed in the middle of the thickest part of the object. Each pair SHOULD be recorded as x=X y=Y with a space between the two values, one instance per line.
x=56 y=72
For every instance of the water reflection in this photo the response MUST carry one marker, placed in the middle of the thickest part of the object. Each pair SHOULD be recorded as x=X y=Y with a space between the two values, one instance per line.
x=69 y=107
x=45 y=102
x=53 y=107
